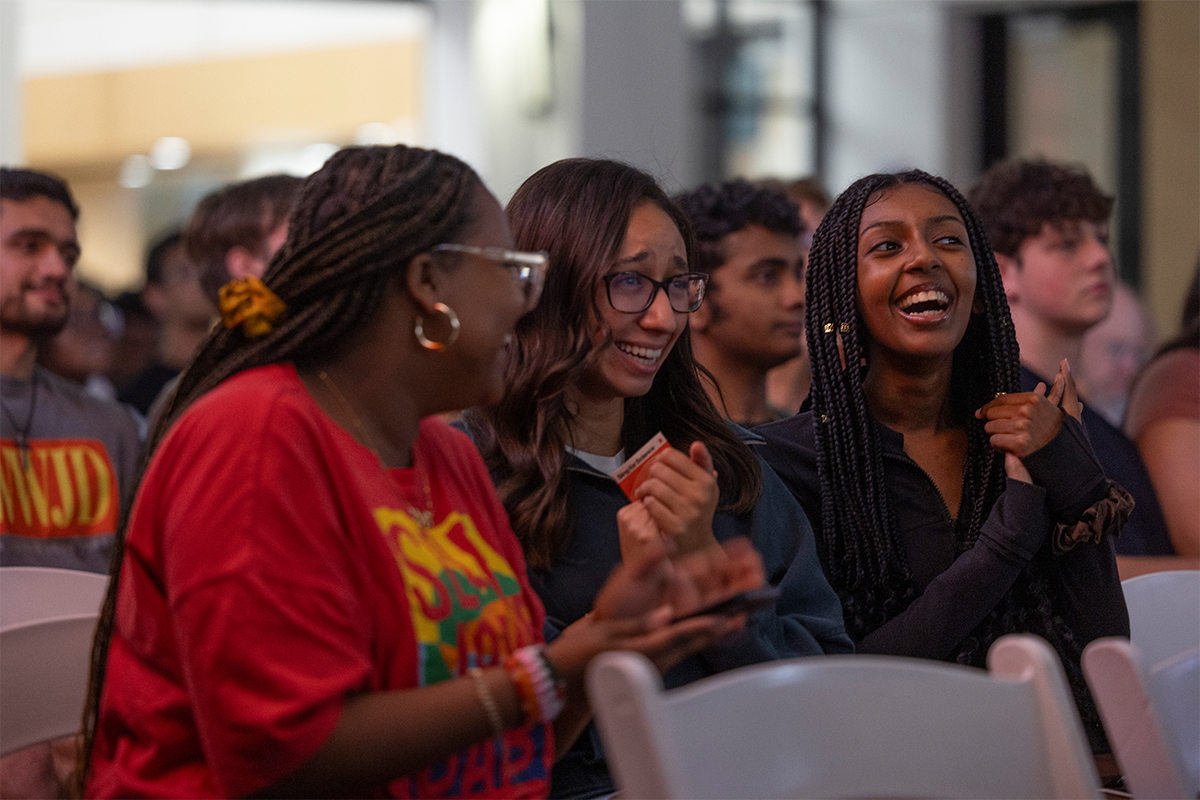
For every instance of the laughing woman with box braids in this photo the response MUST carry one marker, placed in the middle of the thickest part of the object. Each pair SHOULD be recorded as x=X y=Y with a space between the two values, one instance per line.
x=595 y=372
x=317 y=592
x=950 y=508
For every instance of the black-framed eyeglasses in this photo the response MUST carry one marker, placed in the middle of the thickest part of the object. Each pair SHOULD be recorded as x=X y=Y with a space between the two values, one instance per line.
x=633 y=292
x=529 y=269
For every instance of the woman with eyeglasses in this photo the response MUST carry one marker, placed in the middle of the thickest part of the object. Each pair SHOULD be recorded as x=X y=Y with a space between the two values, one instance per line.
x=317 y=592
x=595 y=371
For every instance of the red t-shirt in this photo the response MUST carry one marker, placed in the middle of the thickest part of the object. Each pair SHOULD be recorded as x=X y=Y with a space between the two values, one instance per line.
x=271 y=569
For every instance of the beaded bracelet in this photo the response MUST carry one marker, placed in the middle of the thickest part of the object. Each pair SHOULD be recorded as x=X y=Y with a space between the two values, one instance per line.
x=541 y=692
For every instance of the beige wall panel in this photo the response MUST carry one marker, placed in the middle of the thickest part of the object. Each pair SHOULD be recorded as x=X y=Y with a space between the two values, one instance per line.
x=222 y=106
x=1171 y=154
x=67 y=115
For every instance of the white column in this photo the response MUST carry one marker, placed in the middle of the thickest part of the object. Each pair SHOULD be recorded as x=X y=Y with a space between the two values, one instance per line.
x=12 y=145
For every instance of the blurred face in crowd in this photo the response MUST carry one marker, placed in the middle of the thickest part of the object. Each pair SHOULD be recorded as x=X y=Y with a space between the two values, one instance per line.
x=86 y=345
x=1063 y=276
x=38 y=251
x=179 y=296
x=1115 y=350
x=754 y=308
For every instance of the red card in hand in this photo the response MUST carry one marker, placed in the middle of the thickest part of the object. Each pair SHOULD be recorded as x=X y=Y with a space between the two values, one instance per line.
x=631 y=474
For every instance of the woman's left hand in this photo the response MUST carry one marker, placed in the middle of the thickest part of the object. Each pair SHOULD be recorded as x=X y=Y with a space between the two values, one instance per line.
x=681 y=496
x=636 y=531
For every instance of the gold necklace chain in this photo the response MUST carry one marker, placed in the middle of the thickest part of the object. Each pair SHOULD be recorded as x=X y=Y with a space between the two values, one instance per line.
x=422 y=518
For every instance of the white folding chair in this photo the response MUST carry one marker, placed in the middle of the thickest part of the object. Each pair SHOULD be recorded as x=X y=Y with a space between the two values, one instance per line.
x=1164 y=613
x=847 y=727
x=47 y=619
x=1151 y=715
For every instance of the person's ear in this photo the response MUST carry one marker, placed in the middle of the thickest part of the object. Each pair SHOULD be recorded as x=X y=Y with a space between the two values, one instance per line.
x=421 y=281
x=1010 y=274
x=241 y=263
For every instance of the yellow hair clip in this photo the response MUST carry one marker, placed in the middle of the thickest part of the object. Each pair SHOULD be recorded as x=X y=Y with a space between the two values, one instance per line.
x=249 y=303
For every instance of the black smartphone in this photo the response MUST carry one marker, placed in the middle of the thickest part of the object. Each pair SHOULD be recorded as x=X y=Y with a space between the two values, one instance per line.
x=740 y=603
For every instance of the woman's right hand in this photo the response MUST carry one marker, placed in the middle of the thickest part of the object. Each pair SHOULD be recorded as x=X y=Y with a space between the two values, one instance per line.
x=681 y=496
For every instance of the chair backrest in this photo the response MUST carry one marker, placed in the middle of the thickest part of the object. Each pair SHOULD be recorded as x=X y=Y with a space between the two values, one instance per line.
x=1164 y=613
x=846 y=726
x=1151 y=715
x=47 y=619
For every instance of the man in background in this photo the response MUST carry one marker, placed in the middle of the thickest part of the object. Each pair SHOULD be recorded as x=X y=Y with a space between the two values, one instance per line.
x=1048 y=225
x=234 y=233
x=1113 y=354
x=752 y=318
x=789 y=383
x=82 y=352
x=67 y=460
x=174 y=296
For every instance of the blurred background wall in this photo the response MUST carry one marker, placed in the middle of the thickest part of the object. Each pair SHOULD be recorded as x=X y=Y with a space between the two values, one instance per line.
x=146 y=105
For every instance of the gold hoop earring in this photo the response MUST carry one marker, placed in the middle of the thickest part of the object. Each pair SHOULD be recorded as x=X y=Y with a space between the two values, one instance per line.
x=451 y=320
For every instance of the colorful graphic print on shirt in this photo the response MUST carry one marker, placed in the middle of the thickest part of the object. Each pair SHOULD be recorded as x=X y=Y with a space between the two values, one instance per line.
x=467 y=610
x=68 y=489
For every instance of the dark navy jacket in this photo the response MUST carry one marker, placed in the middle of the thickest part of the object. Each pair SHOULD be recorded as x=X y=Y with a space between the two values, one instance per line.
x=807 y=619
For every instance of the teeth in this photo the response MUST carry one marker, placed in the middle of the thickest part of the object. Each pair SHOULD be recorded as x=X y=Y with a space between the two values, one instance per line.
x=927 y=302
x=643 y=353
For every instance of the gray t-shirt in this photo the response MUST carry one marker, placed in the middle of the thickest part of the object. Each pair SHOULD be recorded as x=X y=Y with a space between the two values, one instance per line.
x=60 y=505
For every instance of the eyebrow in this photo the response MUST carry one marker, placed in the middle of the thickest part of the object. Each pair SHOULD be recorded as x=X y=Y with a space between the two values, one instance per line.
x=771 y=261
x=40 y=233
x=932 y=220
x=644 y=255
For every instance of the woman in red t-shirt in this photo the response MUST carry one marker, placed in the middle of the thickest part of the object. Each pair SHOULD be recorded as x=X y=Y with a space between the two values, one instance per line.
x=318 y=592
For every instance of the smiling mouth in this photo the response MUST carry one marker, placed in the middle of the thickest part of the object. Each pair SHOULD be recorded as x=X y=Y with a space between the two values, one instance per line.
x=924 y=304
x=643 y=354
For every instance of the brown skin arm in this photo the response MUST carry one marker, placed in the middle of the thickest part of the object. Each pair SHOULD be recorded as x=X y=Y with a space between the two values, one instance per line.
x=1170 y=448
x=380 y=736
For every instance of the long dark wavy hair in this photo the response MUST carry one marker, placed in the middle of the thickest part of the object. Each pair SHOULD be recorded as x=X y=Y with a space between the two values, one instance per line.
x=860 y=544
x=578 y=211
x=359 y=221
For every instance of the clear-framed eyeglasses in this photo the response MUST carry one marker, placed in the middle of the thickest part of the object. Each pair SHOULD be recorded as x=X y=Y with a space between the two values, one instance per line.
x=528 y=269
x=633 y=292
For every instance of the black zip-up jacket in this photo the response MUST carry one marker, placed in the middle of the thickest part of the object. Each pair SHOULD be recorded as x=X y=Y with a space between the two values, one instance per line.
x=957 y=593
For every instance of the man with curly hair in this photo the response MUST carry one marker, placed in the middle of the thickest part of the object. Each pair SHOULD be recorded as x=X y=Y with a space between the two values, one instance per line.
x=752 y=318
x=1048 y=225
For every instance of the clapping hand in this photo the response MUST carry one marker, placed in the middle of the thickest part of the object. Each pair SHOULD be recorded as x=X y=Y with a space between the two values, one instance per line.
x=681 y=496
x=634 y=609
x=1024 y=422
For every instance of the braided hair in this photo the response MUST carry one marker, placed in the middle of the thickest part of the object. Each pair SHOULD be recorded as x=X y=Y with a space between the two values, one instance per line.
x=860 y=544
x=359 y=221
